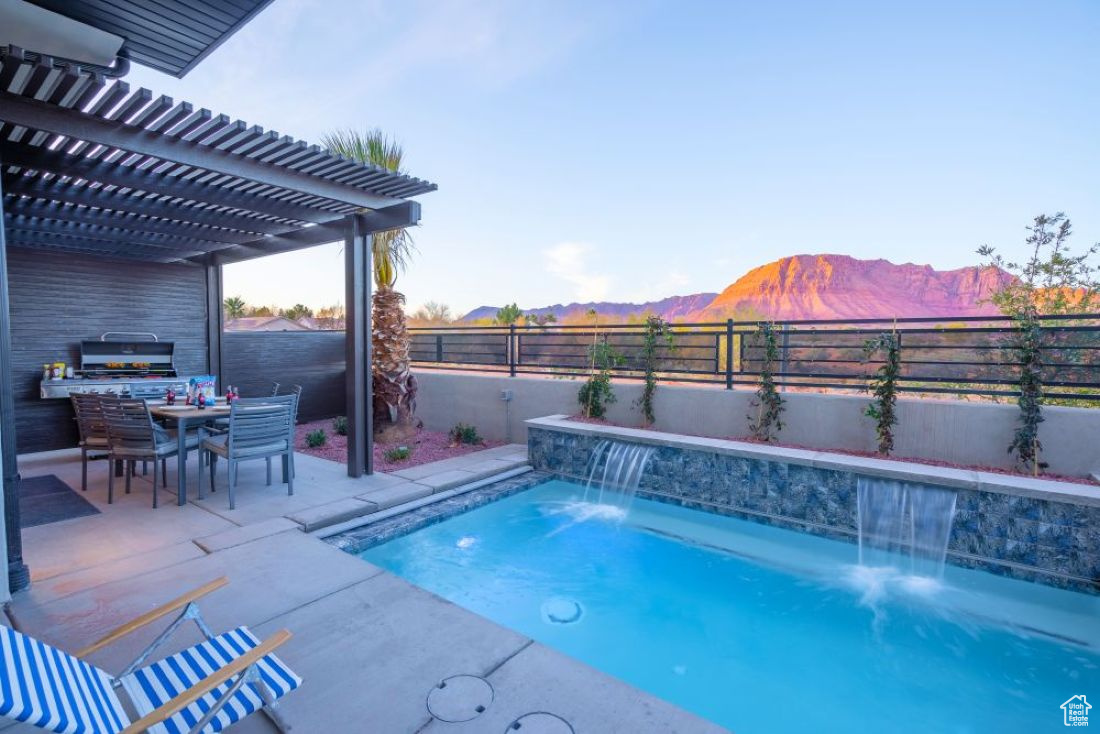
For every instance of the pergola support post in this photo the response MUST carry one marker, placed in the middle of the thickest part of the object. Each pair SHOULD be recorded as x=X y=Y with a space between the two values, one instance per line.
x=19 y=576
x=214 y=321
x=357 y=336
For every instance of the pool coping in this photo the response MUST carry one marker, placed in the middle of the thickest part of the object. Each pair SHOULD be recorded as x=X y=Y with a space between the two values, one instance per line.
x=1037 y=488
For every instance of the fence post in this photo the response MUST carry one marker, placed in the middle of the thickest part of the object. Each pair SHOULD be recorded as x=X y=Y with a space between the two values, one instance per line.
x=729 y=354
x=439 y=348
x=511 y=350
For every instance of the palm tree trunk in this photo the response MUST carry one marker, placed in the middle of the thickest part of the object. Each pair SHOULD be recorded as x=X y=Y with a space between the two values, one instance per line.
x=394 y=384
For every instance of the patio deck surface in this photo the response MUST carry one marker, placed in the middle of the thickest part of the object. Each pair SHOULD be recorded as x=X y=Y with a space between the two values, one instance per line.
x=369 y=645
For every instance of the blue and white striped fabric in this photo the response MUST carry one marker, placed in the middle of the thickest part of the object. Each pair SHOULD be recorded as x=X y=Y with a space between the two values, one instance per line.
x=154 y=685
x=53 y=690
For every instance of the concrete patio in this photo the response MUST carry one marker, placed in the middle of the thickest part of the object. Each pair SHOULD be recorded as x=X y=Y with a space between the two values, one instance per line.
x=369 y=645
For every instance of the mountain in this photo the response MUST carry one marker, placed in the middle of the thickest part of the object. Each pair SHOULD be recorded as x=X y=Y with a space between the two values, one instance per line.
x=838 y=286
x=816 y=287
x=672 y=308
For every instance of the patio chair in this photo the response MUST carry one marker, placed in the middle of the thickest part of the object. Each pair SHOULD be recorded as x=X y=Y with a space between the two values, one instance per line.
x=259 y=428
x=133 y=436
x=205 y=688
x=92 y=429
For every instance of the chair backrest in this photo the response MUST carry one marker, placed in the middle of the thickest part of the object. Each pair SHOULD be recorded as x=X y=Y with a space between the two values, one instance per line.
x=257 y=422
x=53 y=690
x=274 y=388
x=129 y=425
x=89 y=415
x=297 y=391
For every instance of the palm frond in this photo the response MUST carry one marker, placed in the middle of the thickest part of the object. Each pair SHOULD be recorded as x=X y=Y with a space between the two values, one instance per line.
x=392 y=250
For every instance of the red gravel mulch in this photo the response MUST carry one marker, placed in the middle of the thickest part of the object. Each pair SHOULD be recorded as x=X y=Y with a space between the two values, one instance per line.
x=428 y=446
x=864 y=454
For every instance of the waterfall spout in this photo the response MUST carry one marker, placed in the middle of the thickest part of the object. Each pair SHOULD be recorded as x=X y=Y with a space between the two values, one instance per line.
x=905 y=526
x=614 y=473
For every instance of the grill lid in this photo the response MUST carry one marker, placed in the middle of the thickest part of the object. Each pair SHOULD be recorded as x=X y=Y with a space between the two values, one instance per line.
x=127 y=357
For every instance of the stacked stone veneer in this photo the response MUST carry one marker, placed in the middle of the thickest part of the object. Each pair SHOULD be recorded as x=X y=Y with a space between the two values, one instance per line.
x=1024 y=535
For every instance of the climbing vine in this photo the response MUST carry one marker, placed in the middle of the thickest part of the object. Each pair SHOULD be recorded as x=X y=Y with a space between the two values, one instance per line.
x=884 y=386
x=596 y=393
x=1027 y=344
x=768 y=404
x=657 y=334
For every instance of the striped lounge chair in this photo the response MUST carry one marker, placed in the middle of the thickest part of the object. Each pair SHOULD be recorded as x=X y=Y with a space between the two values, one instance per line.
x=205 y=688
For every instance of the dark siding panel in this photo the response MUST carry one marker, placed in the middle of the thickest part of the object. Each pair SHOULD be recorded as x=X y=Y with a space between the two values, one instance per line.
x=312 y=359
x=57 y=301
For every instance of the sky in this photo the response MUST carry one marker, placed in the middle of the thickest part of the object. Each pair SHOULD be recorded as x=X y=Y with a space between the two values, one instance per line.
x=632 y=150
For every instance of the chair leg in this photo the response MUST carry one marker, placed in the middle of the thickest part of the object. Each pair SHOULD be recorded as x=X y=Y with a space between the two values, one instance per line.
x=145 y=467
x=129 y=473
x=83 y=469
x=232 y=471
x=154 y=483
x=286 y=468
x=110 y=486
x=288 y=461
x=268 y=460
x=163 y=472
x=213 y=459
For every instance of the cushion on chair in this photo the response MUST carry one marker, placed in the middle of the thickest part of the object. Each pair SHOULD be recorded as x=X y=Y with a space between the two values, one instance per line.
x=55 y=691
x=218 y=444
x=156 y=684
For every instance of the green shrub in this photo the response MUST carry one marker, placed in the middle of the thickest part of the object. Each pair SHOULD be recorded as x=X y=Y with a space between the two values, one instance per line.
x=596 y=393
x=340 y=425
x=465 y=434
x=397 y=453
x=316 y=439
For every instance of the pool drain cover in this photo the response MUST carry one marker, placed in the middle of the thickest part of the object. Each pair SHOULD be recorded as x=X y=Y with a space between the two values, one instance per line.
x=560 y=610
x=540 y=722
x=460 y=698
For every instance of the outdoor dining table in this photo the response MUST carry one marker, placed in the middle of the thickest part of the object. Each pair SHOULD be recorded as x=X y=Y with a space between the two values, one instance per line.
x=185 y=416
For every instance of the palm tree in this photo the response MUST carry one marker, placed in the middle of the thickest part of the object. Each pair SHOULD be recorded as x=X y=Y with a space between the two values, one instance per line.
x=394 y=383
x=234 y=307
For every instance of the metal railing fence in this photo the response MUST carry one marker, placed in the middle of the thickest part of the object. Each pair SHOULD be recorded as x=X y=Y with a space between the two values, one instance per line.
x=966 y=355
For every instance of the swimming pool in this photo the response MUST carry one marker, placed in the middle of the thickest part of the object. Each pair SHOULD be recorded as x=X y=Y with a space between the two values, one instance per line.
x=757 y=628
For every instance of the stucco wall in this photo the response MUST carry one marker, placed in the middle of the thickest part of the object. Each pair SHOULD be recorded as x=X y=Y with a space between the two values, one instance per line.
x=957 y=431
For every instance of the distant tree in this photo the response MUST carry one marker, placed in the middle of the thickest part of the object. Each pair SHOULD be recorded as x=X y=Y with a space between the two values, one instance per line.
x=508 y=315
x=543 y=320
x=1051 y=281
x=433 y=312
x=234 y=307
x=260 y=311
x=298 y=311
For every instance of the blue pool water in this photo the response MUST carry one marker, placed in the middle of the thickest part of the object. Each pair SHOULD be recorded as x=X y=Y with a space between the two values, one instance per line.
x=759 y=629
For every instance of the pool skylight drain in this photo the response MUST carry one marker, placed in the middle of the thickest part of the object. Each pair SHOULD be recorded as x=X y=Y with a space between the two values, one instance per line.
x=560 y=610
x=540 y=722
x=460 y=698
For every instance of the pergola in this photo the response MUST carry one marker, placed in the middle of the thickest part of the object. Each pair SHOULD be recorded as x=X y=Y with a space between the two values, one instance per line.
x=90 y=167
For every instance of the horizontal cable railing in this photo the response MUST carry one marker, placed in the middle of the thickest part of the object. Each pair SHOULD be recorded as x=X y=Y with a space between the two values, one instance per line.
x=965 y=355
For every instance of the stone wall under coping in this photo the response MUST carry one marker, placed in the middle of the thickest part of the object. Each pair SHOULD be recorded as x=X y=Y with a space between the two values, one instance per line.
x=1050 y=542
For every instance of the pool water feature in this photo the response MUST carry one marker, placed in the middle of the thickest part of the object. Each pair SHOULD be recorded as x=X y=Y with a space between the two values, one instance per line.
x=757 y=628
x=614 y=472
x=904 y=526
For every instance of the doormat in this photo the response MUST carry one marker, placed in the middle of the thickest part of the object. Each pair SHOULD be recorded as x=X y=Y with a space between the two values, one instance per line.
x=47 y=499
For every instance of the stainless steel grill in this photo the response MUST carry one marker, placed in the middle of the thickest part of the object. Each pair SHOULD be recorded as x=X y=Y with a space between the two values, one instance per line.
x=134 y=365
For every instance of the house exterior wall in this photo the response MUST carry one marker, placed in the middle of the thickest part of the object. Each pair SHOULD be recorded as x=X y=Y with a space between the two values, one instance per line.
x=59 y=300
x=969 y=433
